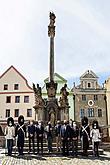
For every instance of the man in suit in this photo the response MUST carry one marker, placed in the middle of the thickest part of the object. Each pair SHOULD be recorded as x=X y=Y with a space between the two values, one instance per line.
x=31 y=135
x=40 y=134
x=65 y=137
x=57 y=134
x=49 y=136
x=74 y=138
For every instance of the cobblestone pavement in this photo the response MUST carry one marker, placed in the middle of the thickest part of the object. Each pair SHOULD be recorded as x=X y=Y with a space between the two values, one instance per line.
x=54 y=160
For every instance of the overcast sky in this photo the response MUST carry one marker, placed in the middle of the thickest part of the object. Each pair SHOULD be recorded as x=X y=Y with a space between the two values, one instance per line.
x=82 y=38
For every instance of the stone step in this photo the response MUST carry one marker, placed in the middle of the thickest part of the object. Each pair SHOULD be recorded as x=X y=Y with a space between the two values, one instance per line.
x=45 y=149
x=90 y=152
x=45 y=140
x=53 y=145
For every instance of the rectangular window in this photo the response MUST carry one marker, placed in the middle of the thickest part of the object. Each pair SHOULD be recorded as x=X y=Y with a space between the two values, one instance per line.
x=90 y=112
x=26 y=99
x=16 y=112
x=83 y=97
x=17 y=99
x=7 y=112
x=99 y=112
x=29 y=112
x=8 y=99
x=82 y=113
x=16 y=86
x=89 y=85
x=6 y=87
x=95 y=97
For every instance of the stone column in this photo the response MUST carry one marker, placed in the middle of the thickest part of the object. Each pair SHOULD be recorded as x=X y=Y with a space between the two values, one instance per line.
x=51 y=34
x=51 y=58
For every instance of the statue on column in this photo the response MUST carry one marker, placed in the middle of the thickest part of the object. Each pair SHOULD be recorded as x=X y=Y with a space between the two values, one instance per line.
x=64 y=97
x=64 y=105
x=51 y=27
x=39 y=102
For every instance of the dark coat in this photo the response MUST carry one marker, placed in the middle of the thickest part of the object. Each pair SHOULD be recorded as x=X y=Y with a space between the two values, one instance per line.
x=49 y=131
x=31 y=130
x=74 y=132
x=83 y=133
x=40 y=131
x=21 y=134
x=65 y=133
x=57 y=129
x=85 y=137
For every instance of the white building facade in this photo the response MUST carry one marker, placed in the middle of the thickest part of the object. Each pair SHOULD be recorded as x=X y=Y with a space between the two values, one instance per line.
x=16 y=96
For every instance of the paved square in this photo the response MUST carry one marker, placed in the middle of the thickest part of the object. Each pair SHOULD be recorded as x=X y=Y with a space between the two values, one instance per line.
x=54 y=160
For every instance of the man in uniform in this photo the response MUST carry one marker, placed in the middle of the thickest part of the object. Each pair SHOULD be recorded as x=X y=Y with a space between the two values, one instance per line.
x=85 y=135
x=20 y=133
x=9 y=134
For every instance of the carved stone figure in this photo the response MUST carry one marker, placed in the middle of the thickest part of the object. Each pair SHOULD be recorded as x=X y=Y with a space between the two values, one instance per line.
x=51 y=27
x=51 y=89
x=39 y=102
x=52 y=19
x=64 y=99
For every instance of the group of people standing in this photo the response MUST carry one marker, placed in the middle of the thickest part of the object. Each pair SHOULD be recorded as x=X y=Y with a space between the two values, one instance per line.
x=66 y=134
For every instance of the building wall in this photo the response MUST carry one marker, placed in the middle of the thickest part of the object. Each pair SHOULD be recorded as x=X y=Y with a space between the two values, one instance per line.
x=11 y=77
x=107 y=87
x=99 y=104
x=90 y=88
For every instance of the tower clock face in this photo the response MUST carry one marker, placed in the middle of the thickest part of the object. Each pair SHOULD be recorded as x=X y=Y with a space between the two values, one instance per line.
x=90 y=103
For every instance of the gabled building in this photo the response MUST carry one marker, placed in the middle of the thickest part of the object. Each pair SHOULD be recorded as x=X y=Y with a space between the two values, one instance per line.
x=16 y=96
x=90 y=99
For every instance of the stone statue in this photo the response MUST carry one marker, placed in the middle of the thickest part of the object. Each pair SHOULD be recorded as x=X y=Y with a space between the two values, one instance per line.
x=51 y=27
x=64 y=99
x=51 y=89
x=52 y=19
x=39 y=102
